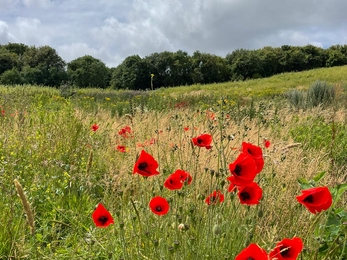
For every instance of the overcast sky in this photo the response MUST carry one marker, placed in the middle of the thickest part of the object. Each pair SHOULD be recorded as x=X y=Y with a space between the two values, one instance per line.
x=112 y=30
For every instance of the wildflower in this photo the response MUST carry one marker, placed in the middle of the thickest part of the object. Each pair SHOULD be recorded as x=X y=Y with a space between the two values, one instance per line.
x=256 y=153
x=287 y=249
x=214 y=198
x=186 y=128
x=146 y=165
x=121 y=148
x=250 y=194
x=125 y=132
x=315 y=199
x=252 y=252
x=267 y=143
x=210 y=115
x=232 y=187
x=159 y=205
x=176 y=180
x=203 y=140
x=94 y=127
x=183 y=227
x=2 y=113
x=152 y=141
x=101 y=217
x=243 y=169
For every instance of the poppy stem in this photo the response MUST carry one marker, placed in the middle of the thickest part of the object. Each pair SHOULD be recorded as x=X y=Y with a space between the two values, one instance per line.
x=136 y=211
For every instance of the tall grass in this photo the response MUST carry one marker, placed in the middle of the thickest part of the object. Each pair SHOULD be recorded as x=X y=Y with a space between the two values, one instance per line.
x=66 y=169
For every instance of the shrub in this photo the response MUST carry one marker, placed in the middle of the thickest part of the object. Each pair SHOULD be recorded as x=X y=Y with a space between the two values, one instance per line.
x=320 y=93
x=296 y=98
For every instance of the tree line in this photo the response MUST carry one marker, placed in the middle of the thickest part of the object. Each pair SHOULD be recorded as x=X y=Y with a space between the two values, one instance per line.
x=22 y=64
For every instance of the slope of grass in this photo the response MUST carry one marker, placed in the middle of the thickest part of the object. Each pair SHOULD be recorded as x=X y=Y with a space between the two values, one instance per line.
x=66 y=169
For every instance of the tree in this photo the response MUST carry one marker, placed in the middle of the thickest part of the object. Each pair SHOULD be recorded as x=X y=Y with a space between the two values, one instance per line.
x=8 y=60
x=336 y=55
x=209 y=68
x=49 y=67
x=88 y=71
x=133 y=73
x=315 y=56
x=245 y=64
x=10 y=77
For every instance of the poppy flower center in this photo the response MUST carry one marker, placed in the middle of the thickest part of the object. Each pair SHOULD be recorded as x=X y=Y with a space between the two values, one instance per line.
x=238 y=170
x=200 y=141
x=158 y=208
x=245 y=196
x=249 y=151
x=284 y=251
x=249 y=258
x=213 y=199
x=102 y=220
x=309 y=199
x=142 y=166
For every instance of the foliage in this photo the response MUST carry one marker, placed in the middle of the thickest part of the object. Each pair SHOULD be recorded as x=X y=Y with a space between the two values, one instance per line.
x=43 y=66
x=131 y=74
x=325 y=136
x=87 y=71
x=320 y=93
x=297 y=98
x=10 y=77
x=67 y=167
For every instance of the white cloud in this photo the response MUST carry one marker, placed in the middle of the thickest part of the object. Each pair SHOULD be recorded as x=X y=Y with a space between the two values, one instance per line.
x=113 y=30
x=38 y=3
x=5 y=35
x=31 y=32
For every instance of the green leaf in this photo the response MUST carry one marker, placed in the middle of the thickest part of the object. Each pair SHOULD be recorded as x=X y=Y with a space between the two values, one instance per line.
x=338 y=191
x=304 y=184
x=319 y=176
x=333 y=220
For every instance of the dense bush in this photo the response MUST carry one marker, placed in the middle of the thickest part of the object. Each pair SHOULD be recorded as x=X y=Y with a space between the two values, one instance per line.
x=320 y=93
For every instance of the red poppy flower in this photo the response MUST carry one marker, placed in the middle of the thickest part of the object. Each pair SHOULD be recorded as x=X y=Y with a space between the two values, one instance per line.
x=94 y=127
x=244 y=170
x=250 y=194
x=287 y=249
x=214 y=198
x=316 y=199
x=176 y=180
x=146 y=165
x=101 y=217
x=186 y=128
x=232 y=187
x=121 y=148
x=159 y=205
x=267 y=143
x=210 y=114
x=252 y=252
x=125 y=132
x=256 y=153
x=152 y=140
x=203 y=140
x=2 y=112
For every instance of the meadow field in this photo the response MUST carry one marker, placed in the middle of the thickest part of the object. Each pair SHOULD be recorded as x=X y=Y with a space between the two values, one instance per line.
x=63 y=152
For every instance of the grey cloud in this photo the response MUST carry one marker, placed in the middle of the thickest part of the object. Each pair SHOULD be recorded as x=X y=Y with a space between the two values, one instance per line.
x=5 y=35
x=113 y=30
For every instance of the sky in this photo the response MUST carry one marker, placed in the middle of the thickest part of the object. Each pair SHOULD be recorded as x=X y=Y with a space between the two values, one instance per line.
x=111 y=30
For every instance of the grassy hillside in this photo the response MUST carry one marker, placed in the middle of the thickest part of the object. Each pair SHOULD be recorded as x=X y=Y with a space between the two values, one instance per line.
x=71 y=153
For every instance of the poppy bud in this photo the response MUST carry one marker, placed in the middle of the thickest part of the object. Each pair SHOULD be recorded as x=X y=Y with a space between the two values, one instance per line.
x=216 y=230
x=176 y=244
